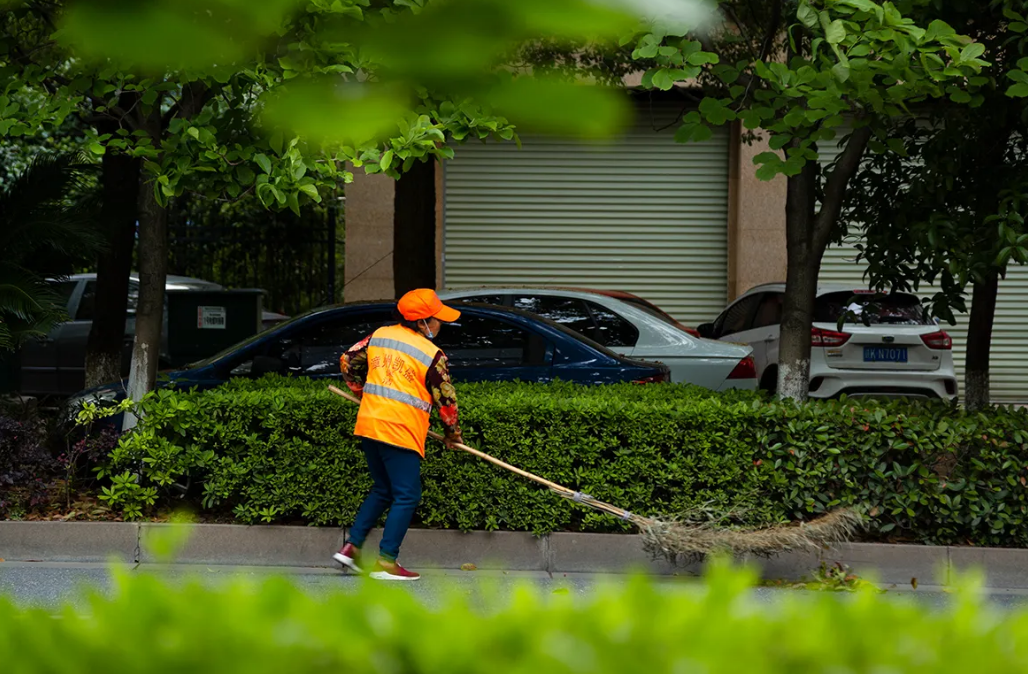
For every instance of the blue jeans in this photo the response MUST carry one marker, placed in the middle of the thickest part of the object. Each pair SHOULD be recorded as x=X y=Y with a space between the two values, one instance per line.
x=396 y=474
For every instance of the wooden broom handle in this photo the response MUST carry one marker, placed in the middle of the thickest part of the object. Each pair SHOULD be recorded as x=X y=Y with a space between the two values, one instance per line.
x=471 y=450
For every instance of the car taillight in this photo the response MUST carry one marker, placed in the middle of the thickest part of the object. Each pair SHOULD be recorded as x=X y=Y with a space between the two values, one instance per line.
x=938 y=340
x=819 y=337
x=661 y=378
x=744 y=369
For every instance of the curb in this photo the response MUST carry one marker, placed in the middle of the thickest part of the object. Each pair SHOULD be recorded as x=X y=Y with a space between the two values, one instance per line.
x=558 y=553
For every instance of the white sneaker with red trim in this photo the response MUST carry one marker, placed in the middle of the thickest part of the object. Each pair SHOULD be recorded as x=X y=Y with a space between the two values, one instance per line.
x=384 y=570
x=349 y=556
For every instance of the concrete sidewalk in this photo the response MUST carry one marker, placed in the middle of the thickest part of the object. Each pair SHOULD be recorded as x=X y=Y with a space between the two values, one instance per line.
x=558 y=553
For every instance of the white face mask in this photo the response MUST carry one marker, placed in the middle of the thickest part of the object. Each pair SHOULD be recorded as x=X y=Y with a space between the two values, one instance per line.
x=428 y=331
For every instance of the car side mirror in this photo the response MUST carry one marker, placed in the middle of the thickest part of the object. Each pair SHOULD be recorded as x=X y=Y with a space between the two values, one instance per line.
x=706 y=330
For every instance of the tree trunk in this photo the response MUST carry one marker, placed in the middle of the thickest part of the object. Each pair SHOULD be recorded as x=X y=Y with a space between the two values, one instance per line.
x=153 y=248
x=979 y=341
x=807 y=236
x=107 y=334
x=153 y=272
x=802 y=266
x=414 y=229
x=990 y=152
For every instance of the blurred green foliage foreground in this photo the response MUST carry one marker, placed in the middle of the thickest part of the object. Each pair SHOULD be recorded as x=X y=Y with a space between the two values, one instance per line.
x=713 y=627
x=224 y=96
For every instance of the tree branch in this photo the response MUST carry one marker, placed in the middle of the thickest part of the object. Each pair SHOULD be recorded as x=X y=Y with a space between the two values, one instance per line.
x=765 y=51
x=44 y=14
x=692 y=101
x=195 y=96
x=730 y=13
x=99 y=118
x=835 y=188
x=54 y=79
x=27 y=55
x=772 y=30
x=125 y=117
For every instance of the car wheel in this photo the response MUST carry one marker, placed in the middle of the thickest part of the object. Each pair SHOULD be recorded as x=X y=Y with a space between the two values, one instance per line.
x=769 y=381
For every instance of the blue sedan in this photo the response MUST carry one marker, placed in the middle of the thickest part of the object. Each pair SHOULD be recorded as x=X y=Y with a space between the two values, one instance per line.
x=488 y=343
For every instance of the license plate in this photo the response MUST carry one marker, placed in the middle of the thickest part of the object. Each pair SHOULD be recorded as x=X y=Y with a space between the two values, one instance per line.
x=885 y=354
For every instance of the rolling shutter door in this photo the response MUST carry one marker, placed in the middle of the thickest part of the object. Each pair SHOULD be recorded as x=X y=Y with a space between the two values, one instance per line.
x=1008 y=359
x=642 y=214
x=1008 y=356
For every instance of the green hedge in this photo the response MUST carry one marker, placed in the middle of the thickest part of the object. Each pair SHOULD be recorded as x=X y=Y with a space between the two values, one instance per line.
x=282 y=450
x=271 y=627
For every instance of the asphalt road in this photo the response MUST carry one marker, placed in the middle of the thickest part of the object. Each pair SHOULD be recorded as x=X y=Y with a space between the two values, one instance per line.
x=49 y=585
x=52 y=584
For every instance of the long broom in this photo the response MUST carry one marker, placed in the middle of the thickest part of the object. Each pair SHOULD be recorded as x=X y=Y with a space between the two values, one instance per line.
x=675 y=540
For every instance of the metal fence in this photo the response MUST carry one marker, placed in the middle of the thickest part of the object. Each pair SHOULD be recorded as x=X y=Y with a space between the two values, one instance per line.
x=295 y=259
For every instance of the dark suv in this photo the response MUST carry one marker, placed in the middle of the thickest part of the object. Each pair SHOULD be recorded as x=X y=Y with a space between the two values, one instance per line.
x=55 y=364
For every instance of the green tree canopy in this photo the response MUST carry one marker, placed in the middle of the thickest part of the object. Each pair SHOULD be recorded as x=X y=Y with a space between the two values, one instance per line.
x=226 y=97
x=948 y=209
x=798 y=73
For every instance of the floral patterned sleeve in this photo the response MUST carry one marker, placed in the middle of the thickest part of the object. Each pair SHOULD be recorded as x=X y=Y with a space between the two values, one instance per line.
x=354 y=366
x=443 y=393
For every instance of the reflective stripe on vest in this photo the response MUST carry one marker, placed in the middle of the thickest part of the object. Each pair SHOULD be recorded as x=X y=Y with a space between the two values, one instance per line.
x=402 y=347
x=396 y=404
x=400 y=396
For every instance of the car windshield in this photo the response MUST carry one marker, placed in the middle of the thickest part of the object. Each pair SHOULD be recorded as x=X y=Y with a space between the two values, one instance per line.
x=553 y=324
x=870 y=309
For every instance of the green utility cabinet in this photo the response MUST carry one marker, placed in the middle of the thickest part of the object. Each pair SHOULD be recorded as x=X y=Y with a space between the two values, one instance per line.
x=203 y=322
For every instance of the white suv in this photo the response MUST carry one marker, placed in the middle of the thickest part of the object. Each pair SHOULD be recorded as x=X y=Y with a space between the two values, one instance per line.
x=885 y=347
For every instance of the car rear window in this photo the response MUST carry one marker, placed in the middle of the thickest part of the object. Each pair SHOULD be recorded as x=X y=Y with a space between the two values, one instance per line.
x=581 y=338
x=656 y=313
x=560 y=328
x=868 y=309
x=651 y=310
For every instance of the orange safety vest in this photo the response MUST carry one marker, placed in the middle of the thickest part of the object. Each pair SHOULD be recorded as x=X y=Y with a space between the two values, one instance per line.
x=396 y=403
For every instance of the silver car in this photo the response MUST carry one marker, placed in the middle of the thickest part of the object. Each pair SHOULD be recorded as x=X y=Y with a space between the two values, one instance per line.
x=631 y=331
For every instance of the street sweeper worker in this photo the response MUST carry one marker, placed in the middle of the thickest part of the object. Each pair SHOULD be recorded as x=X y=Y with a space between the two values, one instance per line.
x=399 y=374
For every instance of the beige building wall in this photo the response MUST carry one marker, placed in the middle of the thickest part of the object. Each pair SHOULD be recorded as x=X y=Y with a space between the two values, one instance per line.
x=756 y=221
x=369 y=237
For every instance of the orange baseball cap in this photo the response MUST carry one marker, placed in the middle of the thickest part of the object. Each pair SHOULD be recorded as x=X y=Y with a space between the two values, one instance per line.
x=424 y=303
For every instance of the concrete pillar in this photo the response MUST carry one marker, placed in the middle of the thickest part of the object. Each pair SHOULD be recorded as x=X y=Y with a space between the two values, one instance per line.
x=369 y=238
x=756 y=220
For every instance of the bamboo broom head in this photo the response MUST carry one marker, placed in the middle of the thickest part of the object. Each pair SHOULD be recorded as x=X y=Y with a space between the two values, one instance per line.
x=675 y=540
